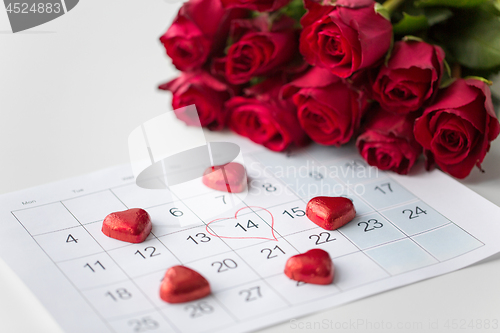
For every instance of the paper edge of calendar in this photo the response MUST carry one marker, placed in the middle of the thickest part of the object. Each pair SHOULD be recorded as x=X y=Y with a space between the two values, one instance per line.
x=479 y=208
x=357 y=293
x=113 y=176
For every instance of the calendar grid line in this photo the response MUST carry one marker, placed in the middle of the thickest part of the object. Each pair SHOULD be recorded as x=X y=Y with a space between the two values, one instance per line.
x=240 y=257
x=283 y=183
x=298 y=232
x=97 y=221
x=385 y=209
x=51 y=232
x=340 y=231
x=354 y=250
x=180 y=200
x=104 y=285
x=406 y=235
x=180 y=261
x=380 y=212
x=74 y=258
x=333 y=284
x=263 y=279
x=390 y=207
x=461 y=254
x=221 y=304
x=450 y=220
x=67 y=278
x=260 y=277
x=123 y=271
x=178 y=231
x=140 y=289
x=349 y=239
x=138 y=313
x=146 y=207
x=311 y=300
x=432 y=229
x=280 y=236
x=280 y=204
x=380 y=244
x=410 y=237
x=173 y=254
x=243 y=247
x=257 y=273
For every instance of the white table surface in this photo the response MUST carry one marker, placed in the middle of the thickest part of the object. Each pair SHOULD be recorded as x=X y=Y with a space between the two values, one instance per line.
x=73 y=89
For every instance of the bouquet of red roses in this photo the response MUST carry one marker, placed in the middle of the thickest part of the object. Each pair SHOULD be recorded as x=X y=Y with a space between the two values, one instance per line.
x=285 y=72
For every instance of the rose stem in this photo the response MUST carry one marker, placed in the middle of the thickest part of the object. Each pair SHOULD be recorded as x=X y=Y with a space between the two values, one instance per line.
x=392 y=5
x=456 y=71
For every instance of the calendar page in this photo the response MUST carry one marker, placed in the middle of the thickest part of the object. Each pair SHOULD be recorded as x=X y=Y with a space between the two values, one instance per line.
x=407 y=228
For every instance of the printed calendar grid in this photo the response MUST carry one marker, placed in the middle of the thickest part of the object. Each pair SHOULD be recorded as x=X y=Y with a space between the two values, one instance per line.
x=213 y=301
x=387 y=208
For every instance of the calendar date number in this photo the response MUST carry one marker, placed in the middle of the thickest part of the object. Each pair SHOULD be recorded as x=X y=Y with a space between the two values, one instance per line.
x=143 y=324
x=251 y=294
x=413 y=214
x=370 y=225
x=199 y=309
x=322 y=238
x=225 y=265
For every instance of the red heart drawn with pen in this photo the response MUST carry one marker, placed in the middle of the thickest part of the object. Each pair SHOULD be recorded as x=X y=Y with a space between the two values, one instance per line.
x=242 y=227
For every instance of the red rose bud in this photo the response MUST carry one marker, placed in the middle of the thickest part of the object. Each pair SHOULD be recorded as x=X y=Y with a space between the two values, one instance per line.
x=258 y=5
x=265 y=118
x=457 y=129
x=388 y=142
x=200 y=29
x=203 y=90
x=315 y=266
x=258 y=51
x=411 y=77
x=344 y=38
x=329 y=109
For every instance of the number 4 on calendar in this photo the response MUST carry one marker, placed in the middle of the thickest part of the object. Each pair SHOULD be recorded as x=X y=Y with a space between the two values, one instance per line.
x=71 y=239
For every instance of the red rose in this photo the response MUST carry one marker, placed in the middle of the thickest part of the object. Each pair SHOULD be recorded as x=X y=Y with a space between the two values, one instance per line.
x=258 y=51
x=265 y=118
x=411 y=77
x=329 y=109
x=346 y=37
x=200 y=29
x=204 y=91
x=258 y=5
x=457 y=129
x=387 y=141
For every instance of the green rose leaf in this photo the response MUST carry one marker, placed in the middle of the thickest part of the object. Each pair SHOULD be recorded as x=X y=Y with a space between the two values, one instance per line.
x=295 y=9
x=488 y=82
x=497 y=4
x=410 y=24
x=380 y=9
x=437 y=15
x=412 y=19
x=475 y=40
x=450 y=3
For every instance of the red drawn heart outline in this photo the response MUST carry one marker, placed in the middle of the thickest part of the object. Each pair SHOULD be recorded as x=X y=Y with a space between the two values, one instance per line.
x=236 y=217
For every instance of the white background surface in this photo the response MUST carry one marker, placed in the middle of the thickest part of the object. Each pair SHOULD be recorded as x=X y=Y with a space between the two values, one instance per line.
x=73 y=89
